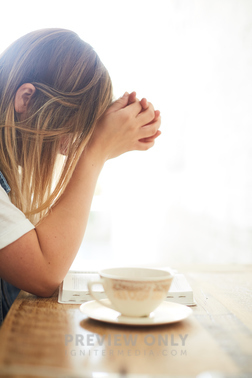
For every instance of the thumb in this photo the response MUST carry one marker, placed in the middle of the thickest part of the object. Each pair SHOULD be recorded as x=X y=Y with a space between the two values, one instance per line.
x=119 y=104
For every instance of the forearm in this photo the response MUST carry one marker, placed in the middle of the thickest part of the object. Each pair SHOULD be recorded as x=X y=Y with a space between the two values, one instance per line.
x=61 y=232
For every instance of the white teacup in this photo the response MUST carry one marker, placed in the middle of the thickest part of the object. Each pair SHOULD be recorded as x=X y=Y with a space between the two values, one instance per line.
x=133 y=291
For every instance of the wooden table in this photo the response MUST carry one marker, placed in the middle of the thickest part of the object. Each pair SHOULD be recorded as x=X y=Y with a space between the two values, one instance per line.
x=40 y=337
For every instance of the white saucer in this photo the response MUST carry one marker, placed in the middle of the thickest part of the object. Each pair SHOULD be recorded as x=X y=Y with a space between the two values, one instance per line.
x=167 y=312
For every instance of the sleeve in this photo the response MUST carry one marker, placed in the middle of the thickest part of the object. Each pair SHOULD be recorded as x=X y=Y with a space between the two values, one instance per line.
x=13 y=223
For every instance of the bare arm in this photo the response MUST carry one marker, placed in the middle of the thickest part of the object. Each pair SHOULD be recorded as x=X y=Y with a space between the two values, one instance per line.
x=38 y=261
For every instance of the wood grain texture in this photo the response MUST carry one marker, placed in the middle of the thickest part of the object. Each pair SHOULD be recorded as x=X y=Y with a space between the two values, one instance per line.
x=40 y=335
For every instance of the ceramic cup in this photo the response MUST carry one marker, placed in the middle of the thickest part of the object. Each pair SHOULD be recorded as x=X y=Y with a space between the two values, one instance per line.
x=133 y=291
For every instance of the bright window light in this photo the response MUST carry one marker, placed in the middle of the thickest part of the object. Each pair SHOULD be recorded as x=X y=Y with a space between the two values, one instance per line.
x=189 y=198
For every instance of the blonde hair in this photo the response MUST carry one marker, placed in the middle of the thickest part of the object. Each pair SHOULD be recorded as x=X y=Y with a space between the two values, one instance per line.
x=73 y=89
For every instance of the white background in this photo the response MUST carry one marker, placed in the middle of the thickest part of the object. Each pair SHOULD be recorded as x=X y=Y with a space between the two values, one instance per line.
x=189 y=198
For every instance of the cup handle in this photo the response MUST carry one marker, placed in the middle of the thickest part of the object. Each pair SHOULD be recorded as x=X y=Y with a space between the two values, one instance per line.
x=92 y=293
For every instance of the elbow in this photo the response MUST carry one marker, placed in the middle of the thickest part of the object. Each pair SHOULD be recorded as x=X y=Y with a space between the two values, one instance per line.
x=46 y=292
x=46 y=288
x=48 y=282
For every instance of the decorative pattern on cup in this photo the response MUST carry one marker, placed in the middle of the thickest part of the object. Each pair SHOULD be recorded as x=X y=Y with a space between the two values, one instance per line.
x=140 y=291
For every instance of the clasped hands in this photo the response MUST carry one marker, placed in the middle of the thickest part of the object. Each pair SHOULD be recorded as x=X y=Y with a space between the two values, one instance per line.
x=147 y=105
x=128 y=124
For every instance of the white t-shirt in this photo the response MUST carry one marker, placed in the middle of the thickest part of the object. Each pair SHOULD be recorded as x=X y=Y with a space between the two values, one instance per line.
x=13 y=223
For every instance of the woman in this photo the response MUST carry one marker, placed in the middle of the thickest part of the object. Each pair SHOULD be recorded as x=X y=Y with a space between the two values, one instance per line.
x=58 y=126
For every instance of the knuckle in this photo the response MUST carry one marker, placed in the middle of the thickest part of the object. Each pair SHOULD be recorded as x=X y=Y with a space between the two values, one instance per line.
x=153 y=129
x=151 y=107
x=151 y=111
x=126 y=116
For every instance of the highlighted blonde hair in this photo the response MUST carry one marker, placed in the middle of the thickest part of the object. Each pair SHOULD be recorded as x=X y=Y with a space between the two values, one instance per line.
x=73 y=89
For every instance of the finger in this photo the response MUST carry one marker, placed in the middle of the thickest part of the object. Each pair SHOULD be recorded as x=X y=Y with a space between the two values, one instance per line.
x=144 y=103
x=148 y=131
x=135 y=108
x=132 y=98
x=150 y=139
x=147 y=115
x=142 y=146
x=119 y=104
x=157 y=114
